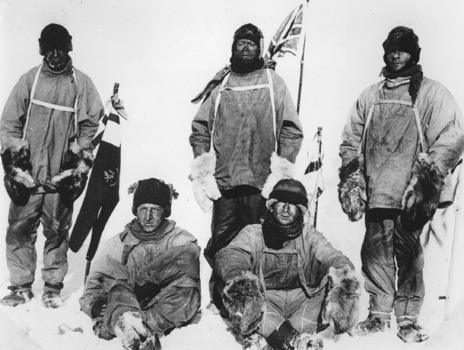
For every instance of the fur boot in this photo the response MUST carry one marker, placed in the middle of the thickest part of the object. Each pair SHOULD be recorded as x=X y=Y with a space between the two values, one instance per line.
x=73 y=178
x=243 y=299
x=342 y=303
x=205 y=188
x=352 y=190
x=17 y=166
x=134 y=333
x=421 y=198
x=285 y=337
x=281 y=168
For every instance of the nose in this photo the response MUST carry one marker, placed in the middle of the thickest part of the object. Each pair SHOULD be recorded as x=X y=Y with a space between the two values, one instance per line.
x=286 y=206
x=149 y=215
x=395 y=53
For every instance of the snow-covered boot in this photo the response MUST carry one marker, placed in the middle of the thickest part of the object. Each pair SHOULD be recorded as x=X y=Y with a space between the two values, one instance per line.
x=52 y=299
x=285 y=337
x=255 y=342
x=410 y=331
x=134 y=334
x=373 y=324
x=18 y=295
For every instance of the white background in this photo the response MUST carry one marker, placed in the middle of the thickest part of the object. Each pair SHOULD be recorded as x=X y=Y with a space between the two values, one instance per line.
x=162 y=53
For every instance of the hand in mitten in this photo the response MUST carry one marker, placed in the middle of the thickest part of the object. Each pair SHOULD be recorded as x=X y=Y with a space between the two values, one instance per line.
x=76 y=166
x=281 y=168
x=100 y=330
x=421 y=197
x=244 y=300
x=342 y=303
x=205 y=188
x=131 y=330
x=352 y=190
x=18 y=180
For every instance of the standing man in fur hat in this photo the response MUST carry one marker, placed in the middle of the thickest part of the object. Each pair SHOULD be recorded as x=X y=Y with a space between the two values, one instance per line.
x=46 y=130
x=404 y=134
x=146 y=280
x=283 y=279
x=246 y=128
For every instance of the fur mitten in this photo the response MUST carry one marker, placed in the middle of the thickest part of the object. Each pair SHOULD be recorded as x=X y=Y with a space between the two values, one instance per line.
x=352 y=190
x=243 y=299
x=205 y=188
x=281 y=168
x=17 y=166
x=134 y=333
x=421 y=198
x=341 y=309
x=70 y=183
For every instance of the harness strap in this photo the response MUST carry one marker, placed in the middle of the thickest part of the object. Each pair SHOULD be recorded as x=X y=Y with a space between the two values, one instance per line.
x=32 y=101
x=423 y=146
x=269 y=85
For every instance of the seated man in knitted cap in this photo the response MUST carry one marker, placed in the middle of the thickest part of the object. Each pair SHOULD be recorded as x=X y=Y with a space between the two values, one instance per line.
x=283 y=280
x=404 y=135
x=146 y=280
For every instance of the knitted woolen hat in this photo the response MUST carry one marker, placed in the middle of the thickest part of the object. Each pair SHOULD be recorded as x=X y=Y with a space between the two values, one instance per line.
x=153 y=191
x=54 y=36
x=402 y=39
x=289 y=191
x=251 y=32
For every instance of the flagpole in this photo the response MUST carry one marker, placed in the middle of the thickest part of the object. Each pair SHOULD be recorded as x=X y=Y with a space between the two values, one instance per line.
x=300 y=84
x=319 y=161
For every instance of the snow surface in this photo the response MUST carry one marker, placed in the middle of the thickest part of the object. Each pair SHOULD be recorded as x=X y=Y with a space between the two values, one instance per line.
x=162 y=53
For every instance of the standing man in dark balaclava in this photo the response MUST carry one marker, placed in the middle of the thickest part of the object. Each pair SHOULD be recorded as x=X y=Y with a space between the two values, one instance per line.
x=246 y=128
x=46 y=130
x=404 y=134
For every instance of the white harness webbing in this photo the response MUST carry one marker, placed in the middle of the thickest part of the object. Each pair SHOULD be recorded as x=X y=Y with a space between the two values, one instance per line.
x=269 y=86
x=423 y=146
x=32 y=101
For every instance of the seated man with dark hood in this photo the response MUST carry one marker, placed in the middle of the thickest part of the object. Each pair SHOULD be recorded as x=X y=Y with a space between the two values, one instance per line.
x=283 y=281
x=146 y=280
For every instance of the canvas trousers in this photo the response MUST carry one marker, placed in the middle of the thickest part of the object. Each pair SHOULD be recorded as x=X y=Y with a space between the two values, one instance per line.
x=392 y=263
x=293 y=305
x=23 y=221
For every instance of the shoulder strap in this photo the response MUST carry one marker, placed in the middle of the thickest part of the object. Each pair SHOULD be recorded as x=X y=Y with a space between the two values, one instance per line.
x=32 y=101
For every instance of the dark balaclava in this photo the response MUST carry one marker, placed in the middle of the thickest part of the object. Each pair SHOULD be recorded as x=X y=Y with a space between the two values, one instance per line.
x=289 y=191
x=153 y=191
x=253 y=33
x=54 y=36
x=404 y=39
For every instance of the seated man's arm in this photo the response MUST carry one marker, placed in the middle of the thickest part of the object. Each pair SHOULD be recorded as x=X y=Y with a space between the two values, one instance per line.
x=179 y=297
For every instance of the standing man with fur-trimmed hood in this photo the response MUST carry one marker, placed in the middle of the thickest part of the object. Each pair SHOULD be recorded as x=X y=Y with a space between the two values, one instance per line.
x=283 y=281
x=404 y=135
x=146 y=280
x=46 y=130
x=245 y=137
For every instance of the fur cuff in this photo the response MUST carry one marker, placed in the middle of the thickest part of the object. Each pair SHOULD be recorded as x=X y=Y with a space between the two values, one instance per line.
x=352 y=190
x=281 y=168
x=342 y=303
x=205 y=188
x=243 y=298
x=421 y=198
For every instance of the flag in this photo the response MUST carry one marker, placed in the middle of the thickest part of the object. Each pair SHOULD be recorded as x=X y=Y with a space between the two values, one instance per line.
x=313 y=178
x=103 y=189
x=287 y=38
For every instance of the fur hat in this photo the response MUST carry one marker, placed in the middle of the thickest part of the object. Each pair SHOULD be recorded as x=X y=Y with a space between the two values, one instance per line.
x=402 y=39
x=54 y=36
x=153 y=191
x=251 y=32
x=289 y=191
